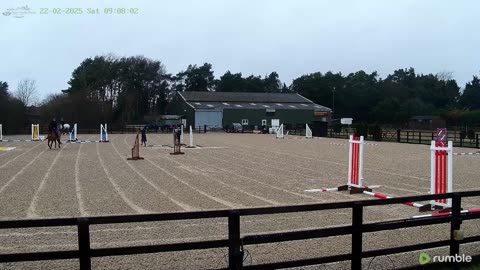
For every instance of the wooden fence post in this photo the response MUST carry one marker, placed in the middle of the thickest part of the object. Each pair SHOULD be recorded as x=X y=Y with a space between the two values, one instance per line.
x=235 y=254
x=357 y=244
x=456 y=222
x=84 y=244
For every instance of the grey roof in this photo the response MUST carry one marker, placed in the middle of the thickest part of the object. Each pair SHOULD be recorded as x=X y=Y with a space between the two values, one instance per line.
x=243 y=97
x=256 y=105
x=245 y=100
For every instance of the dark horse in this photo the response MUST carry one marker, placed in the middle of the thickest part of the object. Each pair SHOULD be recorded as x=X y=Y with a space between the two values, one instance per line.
x=53 y=137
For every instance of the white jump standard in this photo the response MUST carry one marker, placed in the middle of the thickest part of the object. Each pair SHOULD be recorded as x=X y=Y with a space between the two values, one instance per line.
x=73 y=134
x=279 y=134
x=308 y=132
x=103 y=133
x=191 y=139
x=1 y=133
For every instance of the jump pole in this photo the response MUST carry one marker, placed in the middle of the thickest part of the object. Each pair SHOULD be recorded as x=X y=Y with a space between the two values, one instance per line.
x=1 y=133
x=383 y=196
x=355 y=169
x=439 y=214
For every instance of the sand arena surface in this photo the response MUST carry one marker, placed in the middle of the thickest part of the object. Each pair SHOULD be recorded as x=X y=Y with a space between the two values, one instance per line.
x=229 y=171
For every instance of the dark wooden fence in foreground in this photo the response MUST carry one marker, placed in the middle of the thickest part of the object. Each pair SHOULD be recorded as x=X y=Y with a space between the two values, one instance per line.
x=236 y=242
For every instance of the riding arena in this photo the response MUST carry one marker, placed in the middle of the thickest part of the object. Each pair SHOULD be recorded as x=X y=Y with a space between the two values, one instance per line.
x=108 y=189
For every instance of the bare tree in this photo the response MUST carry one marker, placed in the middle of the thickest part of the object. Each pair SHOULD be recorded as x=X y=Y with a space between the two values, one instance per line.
x=445 y=75
x=27 y=92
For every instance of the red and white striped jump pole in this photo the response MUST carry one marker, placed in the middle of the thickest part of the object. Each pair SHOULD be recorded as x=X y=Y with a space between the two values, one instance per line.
x=383 y=196
x=336 y=189
x=441 y=172
x=355 y=161
x=473 y=210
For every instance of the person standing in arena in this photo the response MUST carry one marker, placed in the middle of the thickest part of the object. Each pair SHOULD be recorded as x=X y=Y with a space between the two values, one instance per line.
x=144 y=136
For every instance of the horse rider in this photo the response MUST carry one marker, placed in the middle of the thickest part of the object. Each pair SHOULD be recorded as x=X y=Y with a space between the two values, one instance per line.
x=53 y=127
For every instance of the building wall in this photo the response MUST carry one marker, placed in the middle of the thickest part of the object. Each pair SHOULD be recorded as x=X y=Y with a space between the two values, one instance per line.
x=289 y=117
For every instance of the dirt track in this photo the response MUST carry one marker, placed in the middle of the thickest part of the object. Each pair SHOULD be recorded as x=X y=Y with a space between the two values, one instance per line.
x=230 y=171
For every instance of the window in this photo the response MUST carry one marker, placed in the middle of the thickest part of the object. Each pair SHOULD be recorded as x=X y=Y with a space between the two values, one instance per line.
x=291 y=106
x=244 y=122
x=304 y=105
x=210 y=105
x=264 y=122
x=253 y=104
x=266 y=106
x=237 y=105
x=225 y=103
x=198 y=103
x=279 y=104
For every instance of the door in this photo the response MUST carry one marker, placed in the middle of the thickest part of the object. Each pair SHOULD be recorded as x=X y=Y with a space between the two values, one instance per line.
x=209 y=118
x=275 y=123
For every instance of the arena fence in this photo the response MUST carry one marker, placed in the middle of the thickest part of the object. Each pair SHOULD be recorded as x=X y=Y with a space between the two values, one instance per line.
x=413 y=136
x=236 y=243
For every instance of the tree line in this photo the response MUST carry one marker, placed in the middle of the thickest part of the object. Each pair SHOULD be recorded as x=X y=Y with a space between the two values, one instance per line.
x=123 y=90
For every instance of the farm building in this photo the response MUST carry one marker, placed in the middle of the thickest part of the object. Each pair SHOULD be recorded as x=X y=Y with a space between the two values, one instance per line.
x=427 y=122
x=252 y=110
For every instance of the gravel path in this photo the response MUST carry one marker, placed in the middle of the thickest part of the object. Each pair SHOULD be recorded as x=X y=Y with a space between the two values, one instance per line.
x=240 y=170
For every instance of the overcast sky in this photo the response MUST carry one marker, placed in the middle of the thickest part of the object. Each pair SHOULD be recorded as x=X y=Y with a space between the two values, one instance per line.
x=292 y=37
